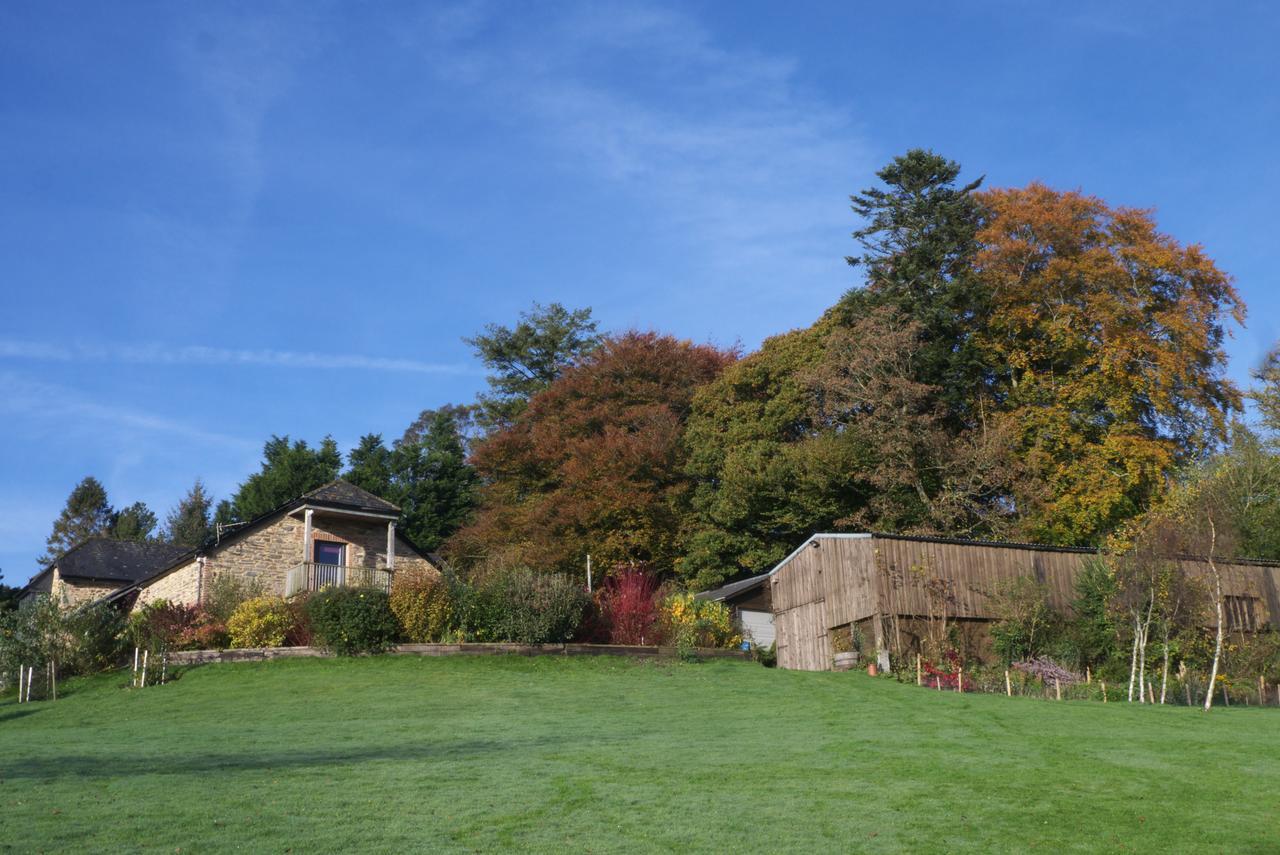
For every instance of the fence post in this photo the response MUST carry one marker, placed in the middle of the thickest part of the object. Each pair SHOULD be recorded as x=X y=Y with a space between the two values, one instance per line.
x=20 y=670
x=960 y=679
x=1057 y=687
x=1008 y=686
x=1088 y=676
x=1104 y=691
x=919 y=673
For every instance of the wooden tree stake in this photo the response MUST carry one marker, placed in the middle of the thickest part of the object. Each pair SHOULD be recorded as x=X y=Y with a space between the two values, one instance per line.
x=960 y=679
x=1008 y=686
x=919 y=672
x=1088 y=675
x=1057 y=687
x=1104 y=691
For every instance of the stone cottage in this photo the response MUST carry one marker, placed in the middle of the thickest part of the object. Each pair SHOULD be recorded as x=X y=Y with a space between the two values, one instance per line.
x=337 y=534
x=97 y=567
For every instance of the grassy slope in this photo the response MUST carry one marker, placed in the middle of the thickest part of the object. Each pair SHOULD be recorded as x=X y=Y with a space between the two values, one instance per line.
x=401 y=754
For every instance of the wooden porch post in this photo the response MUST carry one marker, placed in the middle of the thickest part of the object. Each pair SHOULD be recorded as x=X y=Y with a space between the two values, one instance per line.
x=306 y=536
x=391 y=545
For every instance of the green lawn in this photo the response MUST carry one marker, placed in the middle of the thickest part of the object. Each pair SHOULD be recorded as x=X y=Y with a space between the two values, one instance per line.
x=401 y=754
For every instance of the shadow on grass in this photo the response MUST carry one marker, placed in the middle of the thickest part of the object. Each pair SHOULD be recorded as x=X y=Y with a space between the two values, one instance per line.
x=14 y=715
x=124 y=765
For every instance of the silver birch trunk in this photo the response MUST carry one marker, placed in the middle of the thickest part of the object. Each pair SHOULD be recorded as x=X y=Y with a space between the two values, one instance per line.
x=1133 y=658
x=1164 y=669
x=1217 y=602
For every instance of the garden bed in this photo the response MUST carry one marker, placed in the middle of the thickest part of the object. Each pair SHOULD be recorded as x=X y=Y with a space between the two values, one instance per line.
x=257 y=654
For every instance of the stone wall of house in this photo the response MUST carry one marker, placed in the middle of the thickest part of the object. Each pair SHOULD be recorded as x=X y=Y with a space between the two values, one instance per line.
x=73 y=593
x=268 y=554
x=264 y=556
x=178 y=586
x=408 y=559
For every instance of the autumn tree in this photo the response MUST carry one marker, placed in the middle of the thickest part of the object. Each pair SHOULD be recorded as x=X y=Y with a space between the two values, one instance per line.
x=930 y=474
x=1105 y=342
x=189 y=523
x=595 y=463
x=529 y=357
x=86 y=514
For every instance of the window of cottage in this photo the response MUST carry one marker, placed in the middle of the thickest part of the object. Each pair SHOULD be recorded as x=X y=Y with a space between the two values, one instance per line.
x=328 y=552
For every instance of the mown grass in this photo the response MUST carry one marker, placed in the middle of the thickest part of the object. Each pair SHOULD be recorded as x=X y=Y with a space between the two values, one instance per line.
x=399 y=754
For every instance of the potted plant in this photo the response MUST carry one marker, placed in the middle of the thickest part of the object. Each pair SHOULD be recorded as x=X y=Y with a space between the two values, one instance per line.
x=845 y=649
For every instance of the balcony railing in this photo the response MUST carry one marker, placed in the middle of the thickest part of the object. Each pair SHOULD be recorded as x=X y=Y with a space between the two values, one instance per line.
x=310 y=576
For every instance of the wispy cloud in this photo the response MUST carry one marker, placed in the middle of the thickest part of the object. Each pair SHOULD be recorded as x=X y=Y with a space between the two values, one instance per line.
x=21 y=396
x=158 y=354
x=744 y=161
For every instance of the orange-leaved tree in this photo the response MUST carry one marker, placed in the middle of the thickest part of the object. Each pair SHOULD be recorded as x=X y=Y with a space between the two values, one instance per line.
x=1104 y=341
x=595 y=464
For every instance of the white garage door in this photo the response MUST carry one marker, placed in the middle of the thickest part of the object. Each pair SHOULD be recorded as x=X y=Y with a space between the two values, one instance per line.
x=757 y=627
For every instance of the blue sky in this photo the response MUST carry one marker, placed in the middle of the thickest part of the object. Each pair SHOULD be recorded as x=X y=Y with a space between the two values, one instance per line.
x=224 y=221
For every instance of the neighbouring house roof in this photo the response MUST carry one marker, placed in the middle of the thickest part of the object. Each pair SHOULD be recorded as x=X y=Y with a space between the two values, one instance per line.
x=337 y=494
x=101 y=559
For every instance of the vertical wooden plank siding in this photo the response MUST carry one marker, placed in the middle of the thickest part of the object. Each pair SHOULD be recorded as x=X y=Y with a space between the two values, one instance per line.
x=846 y=579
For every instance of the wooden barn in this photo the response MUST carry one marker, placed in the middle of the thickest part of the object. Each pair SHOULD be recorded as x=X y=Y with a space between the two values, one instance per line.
x=885 y=588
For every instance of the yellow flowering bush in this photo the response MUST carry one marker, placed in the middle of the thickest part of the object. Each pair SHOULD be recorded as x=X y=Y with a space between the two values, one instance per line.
x=421 y=603
x=260 y=622
x=690 y=622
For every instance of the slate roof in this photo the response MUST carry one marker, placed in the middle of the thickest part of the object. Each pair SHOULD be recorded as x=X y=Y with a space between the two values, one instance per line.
x=724 y=593
x=345 y=494
x=103 y=559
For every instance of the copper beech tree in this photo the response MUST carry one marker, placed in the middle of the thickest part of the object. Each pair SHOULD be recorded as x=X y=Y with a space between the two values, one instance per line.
x=595 y=463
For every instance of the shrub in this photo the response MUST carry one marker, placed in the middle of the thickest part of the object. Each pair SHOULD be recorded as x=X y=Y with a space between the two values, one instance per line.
x=31 y=635
x=349 y=621
x=690 y=622
x=423 y=605
x=1025 y=625
x=96 y=638
x=629 y=608
x=160 y=624
x=260 y=622
x=206 y=632
x=224 y=594
x=518 y=605
x=299 y=633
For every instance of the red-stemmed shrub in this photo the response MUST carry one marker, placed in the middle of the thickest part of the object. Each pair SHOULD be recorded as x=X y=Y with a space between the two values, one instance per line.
x=629 y=608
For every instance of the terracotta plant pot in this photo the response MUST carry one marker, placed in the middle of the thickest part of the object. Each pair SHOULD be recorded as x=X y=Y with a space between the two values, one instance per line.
x=872 y=670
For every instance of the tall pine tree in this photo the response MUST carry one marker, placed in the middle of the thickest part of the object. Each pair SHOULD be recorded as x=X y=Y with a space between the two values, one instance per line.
x=87 y=514
x=188 y=524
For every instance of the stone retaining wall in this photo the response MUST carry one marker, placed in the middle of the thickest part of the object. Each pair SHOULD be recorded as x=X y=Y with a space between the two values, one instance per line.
x=258 y=654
